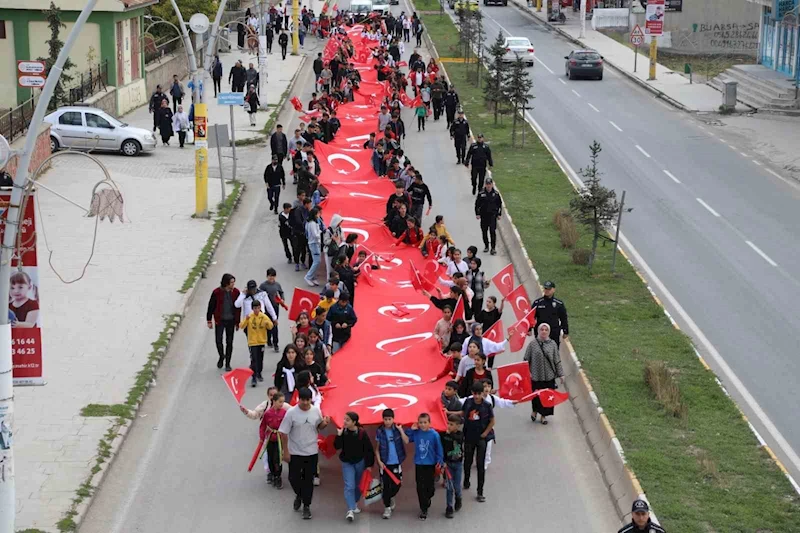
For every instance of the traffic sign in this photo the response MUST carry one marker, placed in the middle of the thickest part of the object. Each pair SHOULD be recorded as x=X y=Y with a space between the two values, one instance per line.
x=31 y=74
x=230 y=99
x=637 y=36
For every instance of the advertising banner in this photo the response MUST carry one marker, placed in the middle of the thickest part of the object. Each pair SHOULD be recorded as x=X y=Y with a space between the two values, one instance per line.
x=654 y=18
x=24 y=312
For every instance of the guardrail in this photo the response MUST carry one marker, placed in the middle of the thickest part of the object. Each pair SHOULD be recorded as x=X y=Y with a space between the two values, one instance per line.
x=14 y=122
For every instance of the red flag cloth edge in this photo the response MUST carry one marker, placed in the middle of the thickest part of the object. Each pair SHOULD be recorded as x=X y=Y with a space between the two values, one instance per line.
x=236 y=380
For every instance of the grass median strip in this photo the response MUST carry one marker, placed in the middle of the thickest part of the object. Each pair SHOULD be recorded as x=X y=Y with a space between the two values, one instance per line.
x=704 y=471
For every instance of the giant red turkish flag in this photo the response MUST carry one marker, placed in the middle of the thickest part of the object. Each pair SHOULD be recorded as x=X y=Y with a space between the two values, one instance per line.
x=514 y=381
x=518 y=298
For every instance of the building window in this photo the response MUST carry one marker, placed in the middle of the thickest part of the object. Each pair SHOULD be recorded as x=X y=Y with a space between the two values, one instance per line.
x=2 y=29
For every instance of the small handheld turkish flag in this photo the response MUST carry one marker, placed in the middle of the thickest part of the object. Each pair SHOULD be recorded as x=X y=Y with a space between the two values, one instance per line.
x=518 y=331
x=551 y=398
x=298 y=105
x=400 y=310
x=518 y=298
x=236 y=380
x=302 y=300
x=495 y=333
x=402 y=63
x=504 y=280
x=431 y=269
x=459 y=311
x=515 y=381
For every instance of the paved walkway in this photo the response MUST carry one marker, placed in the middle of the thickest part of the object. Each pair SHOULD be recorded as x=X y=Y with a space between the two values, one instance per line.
x=97 y=332
x=672 y=85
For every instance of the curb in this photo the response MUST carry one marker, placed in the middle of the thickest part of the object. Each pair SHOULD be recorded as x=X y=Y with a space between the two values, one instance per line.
x=660 y=94
x=621 y=481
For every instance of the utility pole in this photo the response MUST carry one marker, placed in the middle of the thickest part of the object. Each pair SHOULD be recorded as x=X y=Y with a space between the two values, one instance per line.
x=616 y=237
x=653 y=57
x=296 y=29
x=583 y=19
x=8 y=511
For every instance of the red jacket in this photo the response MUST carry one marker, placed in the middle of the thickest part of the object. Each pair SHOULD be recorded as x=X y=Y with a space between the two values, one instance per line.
x=215 y=306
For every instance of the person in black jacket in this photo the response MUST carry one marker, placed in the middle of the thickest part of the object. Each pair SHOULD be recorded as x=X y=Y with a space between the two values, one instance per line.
x=278 y=143
x=640 y=520
x=459 y=131
x=488 y=206
x=270 y=34
x=237 y=77
x=342 y=317
x=274 y=178
x=419 y=192
x=450 y=105
x=357 y=455
x=285 y=232
x=155 y=105
x=481 y=155
x=318 y=64
x=297 y=221
x=283 y=42
x=552 y=311
x=216 y=75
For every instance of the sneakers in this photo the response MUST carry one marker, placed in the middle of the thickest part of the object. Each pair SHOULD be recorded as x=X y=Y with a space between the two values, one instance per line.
x=270 y=478
x=481 y=498
x=387 y=513
x=289 y=261
x=486 y=249
x=493 y=252
x=423 y=515
x=220 y=361
x=260 y=378
x=316 y=481
x=297 y=503
x=297 y=267
x=350 y=516
x=277 y=481
x=392 y=504
x=306 y=513
x=357 y=510
x=458 y=504
x=277 y=349
x=254 y=382
x=466 y=484
x=448 y=512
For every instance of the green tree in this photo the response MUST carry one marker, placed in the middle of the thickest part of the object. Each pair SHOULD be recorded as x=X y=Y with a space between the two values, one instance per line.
x=464 y=30
x=54 y=46
x=497 y=70
x=477 y=36
x=594 y=205
x=517 y=90
x=188 y=8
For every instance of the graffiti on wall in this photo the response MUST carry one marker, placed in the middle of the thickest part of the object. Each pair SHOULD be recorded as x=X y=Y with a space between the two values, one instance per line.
x=725 y=37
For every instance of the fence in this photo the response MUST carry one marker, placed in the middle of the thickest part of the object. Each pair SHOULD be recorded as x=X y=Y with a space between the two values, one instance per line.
x=14 y=122
x=93 y=80
x=154 y=51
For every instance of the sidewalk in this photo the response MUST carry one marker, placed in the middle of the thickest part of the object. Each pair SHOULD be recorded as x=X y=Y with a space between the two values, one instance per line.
x=669 y=85
x=97 y=333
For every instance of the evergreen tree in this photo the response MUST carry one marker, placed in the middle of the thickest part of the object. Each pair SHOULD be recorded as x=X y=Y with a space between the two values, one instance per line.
x=497 y=70
x=594 y=205
x=54 y=46
x=464 y=35
x=188 y=8
x=517 y=90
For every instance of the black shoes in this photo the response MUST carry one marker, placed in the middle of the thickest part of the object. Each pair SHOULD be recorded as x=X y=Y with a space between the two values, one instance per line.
x=306 y=513
x=458 y=504
x=228 y=368
x=278 y=482
x=297 y=503
x=466 y=484
x=220 y=361
x=481 y=498
x=423 y=515
x=449 y=512
x=485 y=249
x=260 y=378
x=254 y=382
x=493 y=252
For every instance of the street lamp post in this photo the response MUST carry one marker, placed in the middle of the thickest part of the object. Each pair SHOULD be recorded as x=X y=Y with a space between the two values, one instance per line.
x=8 y=510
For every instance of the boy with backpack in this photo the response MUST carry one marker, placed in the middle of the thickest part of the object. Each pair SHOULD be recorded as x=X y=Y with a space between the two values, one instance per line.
x=390 y=442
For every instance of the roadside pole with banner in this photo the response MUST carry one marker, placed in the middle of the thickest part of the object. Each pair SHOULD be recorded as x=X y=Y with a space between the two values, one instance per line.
x=201 y=160
x=637 y=40
x=654 y=27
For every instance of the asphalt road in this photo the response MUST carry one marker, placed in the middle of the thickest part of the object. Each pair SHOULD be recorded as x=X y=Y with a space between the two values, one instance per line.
x=718 y=229
x=183 y=465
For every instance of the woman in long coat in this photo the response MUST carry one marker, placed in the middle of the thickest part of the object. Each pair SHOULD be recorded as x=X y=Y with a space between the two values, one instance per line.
x=545 y=364
x=165 y=122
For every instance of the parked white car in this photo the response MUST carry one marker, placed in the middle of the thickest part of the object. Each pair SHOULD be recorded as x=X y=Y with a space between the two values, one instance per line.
x=519 y=47
x=90 y=128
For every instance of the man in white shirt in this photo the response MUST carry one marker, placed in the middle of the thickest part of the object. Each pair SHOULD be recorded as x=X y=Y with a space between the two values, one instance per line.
x=298 y=433
x=251 y=294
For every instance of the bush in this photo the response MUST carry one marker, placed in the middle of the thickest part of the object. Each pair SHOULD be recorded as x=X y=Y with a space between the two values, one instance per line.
x=559 y=215
x=568 y=232
x=662 y=384
x=581 y=256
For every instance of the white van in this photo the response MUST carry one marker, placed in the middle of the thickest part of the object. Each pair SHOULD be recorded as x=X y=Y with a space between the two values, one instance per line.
x=360 y=8
x=381 y=6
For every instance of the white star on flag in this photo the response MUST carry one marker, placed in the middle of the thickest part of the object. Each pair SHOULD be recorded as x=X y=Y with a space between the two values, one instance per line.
x=376 y=408
x=359 y=119
x=340 y=171
x=550 y=398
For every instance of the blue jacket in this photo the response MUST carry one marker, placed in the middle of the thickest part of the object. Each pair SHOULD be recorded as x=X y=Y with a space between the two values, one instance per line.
x=337 y=315
x=427 y=447
x=383 y=444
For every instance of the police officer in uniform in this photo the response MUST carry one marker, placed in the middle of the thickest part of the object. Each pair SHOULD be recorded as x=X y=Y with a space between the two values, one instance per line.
x=640 y=520
x=459 y=131
x=552 y=311
x=481 y=155
x=488 y=206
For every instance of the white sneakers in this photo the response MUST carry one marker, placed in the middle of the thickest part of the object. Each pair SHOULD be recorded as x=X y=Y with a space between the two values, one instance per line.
x=316 y=482
x=387 y=513
x=357 y=510
x=350 y=516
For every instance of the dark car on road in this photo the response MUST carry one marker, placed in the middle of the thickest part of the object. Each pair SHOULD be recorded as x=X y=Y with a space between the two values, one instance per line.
x=495 y=2
x=584 y=64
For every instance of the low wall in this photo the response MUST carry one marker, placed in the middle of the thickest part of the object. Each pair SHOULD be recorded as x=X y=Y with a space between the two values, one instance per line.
x=131 y=96
x=105 y=100
x=160 y=72
x=41 y=150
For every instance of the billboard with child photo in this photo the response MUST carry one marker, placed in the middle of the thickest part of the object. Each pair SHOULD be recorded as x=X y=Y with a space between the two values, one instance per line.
x=24 y=313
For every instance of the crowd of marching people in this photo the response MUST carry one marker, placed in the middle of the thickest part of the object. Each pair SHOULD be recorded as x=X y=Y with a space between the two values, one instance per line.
x=290 y=417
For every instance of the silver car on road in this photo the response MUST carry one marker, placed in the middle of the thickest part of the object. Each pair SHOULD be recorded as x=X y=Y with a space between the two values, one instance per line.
x=90 y=128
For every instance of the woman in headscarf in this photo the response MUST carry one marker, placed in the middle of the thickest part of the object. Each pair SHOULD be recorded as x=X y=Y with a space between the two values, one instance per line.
x=545 y=365
x=240 y=31
x=165 y=122
x=487 y=346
